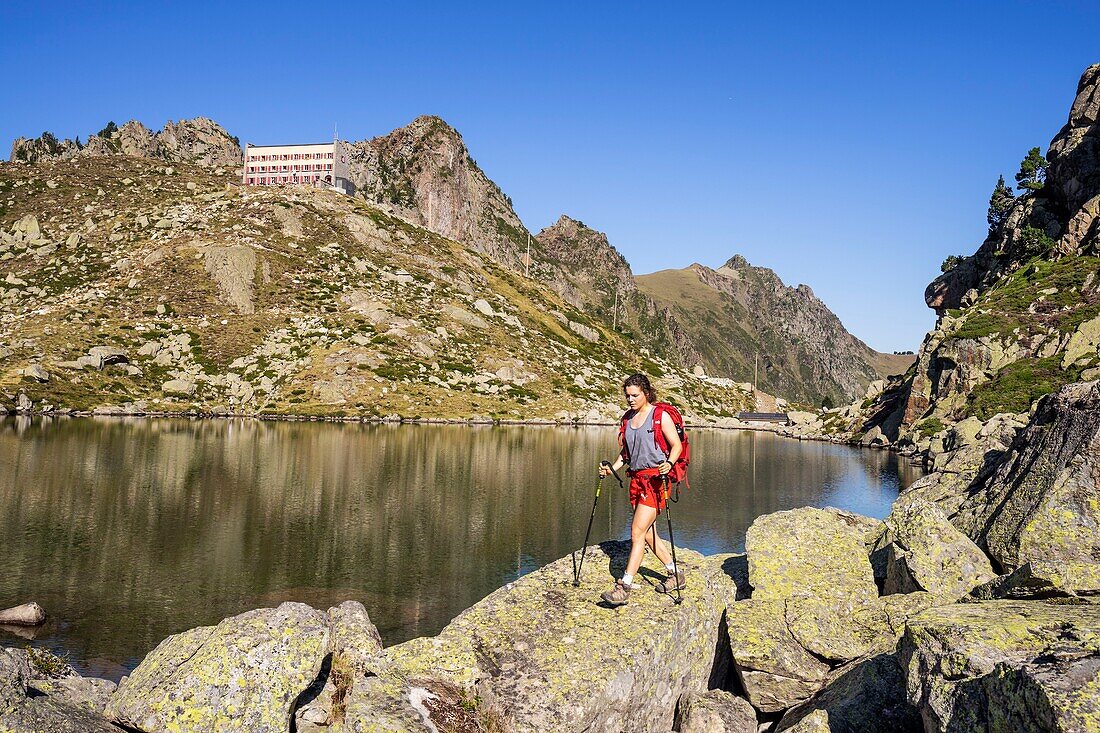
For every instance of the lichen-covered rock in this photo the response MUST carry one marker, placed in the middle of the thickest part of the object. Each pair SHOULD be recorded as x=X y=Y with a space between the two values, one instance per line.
x=927 y=553
x=1041 y=503
x=715 y=711
x=242 y=675
x=90 y=693
x=15 y=671
x=812 y=552
x=775 y=671
x=544 y=655
x=356 y=647
x=32 y=703
x=1021 y=583
x=1005 y=665
x=868 y=696
x=816 y=562
x=48 y=715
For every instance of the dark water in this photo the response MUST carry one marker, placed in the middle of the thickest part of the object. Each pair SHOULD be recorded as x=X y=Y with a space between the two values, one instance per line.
x=128 y=531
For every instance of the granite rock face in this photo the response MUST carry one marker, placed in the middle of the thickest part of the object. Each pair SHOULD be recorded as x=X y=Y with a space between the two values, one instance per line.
x=1041 y=504
x=199 y=140
x=715 y=711
x=540 y=654
x=927 y=553
x=1005 y=665
x=424 y=172
x=242 y=675
x=814 y=606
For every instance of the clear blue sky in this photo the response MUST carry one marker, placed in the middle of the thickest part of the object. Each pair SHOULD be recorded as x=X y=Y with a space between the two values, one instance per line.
x=848 y=146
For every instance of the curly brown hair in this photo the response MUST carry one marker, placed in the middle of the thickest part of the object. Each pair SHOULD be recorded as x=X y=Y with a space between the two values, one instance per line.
x=642 y=382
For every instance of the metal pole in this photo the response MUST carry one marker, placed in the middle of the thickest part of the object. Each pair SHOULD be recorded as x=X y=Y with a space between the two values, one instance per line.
x=577 y=567
x=672 y=544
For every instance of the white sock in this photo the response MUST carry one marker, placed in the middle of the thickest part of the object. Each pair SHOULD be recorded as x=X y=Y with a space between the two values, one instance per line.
x=628 y=579
x=671 y=567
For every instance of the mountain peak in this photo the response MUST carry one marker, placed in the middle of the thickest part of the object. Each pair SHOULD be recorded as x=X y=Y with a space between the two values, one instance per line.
x=737 y=262
x=198 y=140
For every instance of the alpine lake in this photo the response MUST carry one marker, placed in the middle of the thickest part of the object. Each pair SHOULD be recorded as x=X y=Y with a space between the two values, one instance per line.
x=129 y=530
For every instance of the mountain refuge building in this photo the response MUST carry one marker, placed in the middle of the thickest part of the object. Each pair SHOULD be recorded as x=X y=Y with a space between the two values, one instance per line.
x=316 y=164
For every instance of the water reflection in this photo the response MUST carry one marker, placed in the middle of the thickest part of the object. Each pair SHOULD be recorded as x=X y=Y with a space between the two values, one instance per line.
x=127 y=531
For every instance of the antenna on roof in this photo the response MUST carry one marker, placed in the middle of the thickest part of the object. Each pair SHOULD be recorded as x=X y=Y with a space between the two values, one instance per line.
x=335 y=136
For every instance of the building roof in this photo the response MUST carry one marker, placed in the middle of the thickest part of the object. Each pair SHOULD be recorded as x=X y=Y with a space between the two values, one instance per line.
x=286 y=145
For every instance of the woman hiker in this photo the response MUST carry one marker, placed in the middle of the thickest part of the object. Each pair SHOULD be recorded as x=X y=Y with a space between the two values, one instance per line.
x=648 y=465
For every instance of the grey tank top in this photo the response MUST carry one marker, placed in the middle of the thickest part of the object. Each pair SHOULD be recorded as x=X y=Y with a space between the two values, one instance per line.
x=641 y=446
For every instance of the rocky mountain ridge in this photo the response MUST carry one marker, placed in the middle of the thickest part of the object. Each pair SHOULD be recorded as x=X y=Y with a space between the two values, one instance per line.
x=200 y=141
x=740 y=312
x=420 y=178
x=298 y=302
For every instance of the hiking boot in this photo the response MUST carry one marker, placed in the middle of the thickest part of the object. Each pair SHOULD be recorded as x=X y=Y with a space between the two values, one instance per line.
x=618 y=595
x=673 y=582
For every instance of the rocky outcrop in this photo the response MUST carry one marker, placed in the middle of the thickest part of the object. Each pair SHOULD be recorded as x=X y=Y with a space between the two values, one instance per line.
x=1039 y=505
x=199 y=140
x=715 y=711
x=425 y=173
x=44 y=147
x=738 y=311
x=233 y=269
x=1005 y=312
x=245 y=674
x=540 y=655
x=814 y=606
x=1004 y=665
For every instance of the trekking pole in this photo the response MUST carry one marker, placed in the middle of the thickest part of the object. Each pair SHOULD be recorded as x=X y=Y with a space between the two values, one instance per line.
x=672 y=544
x=599 y=485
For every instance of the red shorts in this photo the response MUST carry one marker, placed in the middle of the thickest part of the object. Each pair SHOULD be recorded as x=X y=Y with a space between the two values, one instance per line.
x=647 y=487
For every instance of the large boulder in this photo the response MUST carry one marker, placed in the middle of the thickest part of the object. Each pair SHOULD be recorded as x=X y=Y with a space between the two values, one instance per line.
x=815 y=561
x=814 y=607
x=540 y=654
x=868 y=696
x=925 y=552
x=244 y=674
x=773 y=669
x=34 y=702
x=715 y=711
x=1004 y=665
x=356 y=647
x=1040 y=504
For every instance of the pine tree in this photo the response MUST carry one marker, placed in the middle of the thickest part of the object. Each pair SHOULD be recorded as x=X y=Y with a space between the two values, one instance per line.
x=1000 y=203
x=1033 y=171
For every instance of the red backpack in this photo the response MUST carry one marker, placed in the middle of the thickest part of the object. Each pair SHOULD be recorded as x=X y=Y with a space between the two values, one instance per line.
x=678 y=474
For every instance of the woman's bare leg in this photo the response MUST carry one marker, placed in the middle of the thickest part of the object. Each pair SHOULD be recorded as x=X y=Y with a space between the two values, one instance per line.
x=644 y=516
x=659 y=550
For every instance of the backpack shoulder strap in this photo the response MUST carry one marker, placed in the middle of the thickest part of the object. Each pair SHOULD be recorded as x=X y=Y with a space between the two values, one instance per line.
x=658 y=435
x=622 y=433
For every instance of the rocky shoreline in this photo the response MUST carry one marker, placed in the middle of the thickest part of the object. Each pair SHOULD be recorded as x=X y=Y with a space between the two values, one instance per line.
x=972 y=607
